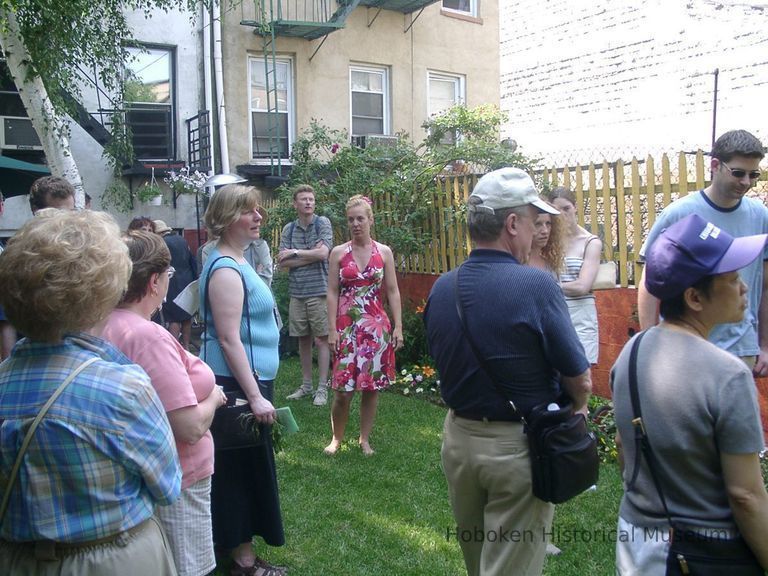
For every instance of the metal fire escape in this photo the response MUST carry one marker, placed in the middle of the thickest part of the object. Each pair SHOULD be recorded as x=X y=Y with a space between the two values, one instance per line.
x=309 y=19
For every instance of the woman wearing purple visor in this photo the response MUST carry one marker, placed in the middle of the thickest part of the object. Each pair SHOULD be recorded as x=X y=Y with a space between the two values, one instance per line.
x=687 y=416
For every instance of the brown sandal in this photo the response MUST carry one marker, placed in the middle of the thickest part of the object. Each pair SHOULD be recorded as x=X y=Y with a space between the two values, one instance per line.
x=260 y=567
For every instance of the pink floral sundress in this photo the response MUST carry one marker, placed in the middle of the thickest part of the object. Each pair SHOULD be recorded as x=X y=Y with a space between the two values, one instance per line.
x=366 y=357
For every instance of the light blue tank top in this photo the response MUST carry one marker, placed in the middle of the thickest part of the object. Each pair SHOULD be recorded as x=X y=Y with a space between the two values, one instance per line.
x=264 y=335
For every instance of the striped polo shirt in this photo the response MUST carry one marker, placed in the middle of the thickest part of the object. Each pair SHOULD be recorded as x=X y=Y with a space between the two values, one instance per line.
x=310 y=280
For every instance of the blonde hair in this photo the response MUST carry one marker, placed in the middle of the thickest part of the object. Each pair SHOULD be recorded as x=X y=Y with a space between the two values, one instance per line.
x=360 y=200
x=63 y=272
x=226 y=206
x=553 y=253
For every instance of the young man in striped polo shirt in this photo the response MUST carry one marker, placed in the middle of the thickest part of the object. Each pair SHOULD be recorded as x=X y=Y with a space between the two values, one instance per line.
x=304 y=247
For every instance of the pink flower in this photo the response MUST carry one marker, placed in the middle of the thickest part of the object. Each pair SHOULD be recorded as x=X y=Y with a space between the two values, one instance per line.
x=334 y=148
x=374 y=320
x=365 y=381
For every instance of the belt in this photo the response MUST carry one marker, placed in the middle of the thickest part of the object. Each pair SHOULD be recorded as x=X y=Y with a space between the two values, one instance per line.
x=51 y=550
x=481 y=418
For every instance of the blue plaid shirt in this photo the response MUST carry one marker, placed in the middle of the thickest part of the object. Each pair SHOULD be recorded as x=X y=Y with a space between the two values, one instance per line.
x=103 y=456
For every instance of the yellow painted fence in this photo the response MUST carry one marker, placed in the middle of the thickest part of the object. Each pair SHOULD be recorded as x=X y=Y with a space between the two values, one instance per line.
x=617 y=201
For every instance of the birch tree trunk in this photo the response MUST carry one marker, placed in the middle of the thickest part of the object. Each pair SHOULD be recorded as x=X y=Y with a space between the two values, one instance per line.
x=51 y=128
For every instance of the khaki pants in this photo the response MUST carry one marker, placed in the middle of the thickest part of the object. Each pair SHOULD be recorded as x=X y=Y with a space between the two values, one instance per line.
x=501 y=527
x=143 y=554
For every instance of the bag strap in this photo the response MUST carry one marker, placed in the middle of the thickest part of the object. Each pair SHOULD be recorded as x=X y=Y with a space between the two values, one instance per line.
x=315 y=218
x=642 y=442
x=480 y=359
x=586 y=245
x=246 y=308
x=33 y=427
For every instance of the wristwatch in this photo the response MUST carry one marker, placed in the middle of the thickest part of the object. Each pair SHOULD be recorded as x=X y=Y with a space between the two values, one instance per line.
x=295 y=253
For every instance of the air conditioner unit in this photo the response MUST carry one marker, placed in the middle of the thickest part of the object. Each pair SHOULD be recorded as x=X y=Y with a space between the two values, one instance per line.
x=17 y=133
x=373 y=140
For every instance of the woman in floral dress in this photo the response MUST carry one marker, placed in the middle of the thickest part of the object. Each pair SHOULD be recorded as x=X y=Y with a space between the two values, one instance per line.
x=359 y=332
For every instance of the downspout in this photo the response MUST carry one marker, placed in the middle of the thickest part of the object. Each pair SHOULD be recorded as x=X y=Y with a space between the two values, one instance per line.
x=219 y=80
x=207 y=81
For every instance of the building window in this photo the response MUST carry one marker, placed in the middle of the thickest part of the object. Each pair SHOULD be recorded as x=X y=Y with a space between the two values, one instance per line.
x=149 y=96
x=369 y=92
x=263 y=140
x=443 y=92
x=468 y=7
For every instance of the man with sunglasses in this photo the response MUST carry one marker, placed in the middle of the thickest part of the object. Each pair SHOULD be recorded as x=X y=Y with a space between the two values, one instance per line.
x=735 y=160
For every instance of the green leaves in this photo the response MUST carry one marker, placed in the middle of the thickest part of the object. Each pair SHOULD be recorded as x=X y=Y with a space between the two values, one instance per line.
x=397 y=175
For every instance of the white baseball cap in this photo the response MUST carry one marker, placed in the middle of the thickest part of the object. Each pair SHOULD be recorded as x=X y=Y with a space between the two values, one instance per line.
x=507 y=188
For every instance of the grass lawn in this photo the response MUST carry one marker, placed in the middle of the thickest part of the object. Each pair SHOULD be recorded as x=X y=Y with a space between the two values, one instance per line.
x=388 y=514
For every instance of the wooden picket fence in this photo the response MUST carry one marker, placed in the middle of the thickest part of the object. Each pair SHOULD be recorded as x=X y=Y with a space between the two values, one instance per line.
x=617 y=201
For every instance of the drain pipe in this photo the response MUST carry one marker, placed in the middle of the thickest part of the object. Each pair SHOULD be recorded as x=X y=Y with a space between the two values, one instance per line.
x=207 y=81
x=219 y=80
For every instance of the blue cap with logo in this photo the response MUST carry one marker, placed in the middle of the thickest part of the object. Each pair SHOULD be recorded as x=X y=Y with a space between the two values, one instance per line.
x=691 y=249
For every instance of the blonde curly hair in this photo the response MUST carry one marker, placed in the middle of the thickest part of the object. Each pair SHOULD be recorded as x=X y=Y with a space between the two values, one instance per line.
x=63 y=272
x=554 y=251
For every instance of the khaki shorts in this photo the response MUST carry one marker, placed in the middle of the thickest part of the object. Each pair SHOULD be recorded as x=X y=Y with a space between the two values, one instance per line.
x=308 y=316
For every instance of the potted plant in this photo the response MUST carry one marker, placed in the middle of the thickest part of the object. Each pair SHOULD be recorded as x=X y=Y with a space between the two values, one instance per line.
x=150 y=193
x=186 y=182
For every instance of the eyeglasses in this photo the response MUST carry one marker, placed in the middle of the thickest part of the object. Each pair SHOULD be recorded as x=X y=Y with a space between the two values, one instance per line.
x=740 y=172
x=171 y=272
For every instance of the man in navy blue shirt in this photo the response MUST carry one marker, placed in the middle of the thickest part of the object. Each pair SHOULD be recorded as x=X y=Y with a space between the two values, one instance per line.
x=519 y=322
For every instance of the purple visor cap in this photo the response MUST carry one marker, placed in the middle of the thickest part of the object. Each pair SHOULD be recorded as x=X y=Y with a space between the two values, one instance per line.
x=691 y=249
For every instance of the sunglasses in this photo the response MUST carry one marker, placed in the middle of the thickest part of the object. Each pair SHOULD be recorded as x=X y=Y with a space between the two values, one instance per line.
x=740 y=172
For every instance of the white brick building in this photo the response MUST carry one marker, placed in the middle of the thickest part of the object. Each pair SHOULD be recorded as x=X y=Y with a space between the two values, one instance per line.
x=620 y=77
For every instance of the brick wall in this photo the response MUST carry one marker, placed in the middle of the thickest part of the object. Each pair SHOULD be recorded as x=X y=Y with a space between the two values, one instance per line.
x=623 y=76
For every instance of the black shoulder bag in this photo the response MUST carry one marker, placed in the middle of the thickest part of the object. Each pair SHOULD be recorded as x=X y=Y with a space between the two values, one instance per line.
x=689 y=552
x=230 y=427
x=564 y=458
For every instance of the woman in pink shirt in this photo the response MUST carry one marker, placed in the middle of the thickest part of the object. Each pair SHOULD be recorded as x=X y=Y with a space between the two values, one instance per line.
x=187 y=389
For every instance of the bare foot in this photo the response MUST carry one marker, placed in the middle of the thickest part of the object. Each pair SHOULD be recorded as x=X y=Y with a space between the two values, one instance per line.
x=332 y=448
x=366 y=448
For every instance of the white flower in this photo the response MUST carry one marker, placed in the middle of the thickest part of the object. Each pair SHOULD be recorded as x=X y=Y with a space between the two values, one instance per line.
x=404 y=372
x=419 y=378
x=419 y=390
x=407 y=391
x=437 y=382
x=409 y=378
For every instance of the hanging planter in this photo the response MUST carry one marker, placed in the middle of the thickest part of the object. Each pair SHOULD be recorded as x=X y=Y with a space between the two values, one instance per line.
x=150 y=192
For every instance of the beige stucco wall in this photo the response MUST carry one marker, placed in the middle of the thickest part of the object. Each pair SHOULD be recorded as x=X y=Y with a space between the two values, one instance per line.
x=435 y=42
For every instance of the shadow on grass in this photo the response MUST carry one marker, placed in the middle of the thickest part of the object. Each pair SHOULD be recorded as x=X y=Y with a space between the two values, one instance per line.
x=389 y=514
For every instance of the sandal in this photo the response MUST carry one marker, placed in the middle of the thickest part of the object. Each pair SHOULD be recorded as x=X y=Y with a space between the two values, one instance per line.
x=281 y=570
x=260 y=567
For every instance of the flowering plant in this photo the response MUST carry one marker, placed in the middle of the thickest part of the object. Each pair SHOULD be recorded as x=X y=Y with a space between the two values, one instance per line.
x=420 y=380
x=186 y=182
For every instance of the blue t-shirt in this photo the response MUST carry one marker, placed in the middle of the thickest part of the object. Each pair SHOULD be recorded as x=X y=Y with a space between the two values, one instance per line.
x=265 y=337
x=519 y=321
x=748 y=217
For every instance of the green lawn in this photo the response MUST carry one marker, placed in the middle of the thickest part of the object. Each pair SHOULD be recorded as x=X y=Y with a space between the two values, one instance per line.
x=388 y=514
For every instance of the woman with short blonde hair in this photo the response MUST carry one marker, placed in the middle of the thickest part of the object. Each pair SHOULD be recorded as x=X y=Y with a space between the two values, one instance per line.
x=102 y=457
x=225 y=209
x=240 y=343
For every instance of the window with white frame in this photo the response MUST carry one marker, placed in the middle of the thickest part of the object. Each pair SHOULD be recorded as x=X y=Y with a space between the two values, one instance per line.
x=443 y=92
x=468 y=7
x=369 y=93
x=259 y=108
x=149 y=96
